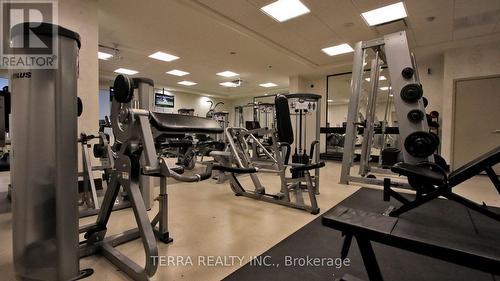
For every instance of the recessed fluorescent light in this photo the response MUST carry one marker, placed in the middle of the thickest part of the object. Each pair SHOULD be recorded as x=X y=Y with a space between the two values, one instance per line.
x=177 y=72
x=381 y=78
x=187 y=83
x=384 y=88
x=229 y=84
x=283 y=10
x=338 y=49
x=104 y=56
x=385 y=14
x=391 y=95
x=268 y=85
x=227 y=73
x=126 y=71
x=163 y=56
x=330 y=100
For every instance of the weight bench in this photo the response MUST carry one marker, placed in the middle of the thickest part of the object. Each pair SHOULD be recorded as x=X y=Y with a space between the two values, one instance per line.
x=431 y=182
x=367 y=227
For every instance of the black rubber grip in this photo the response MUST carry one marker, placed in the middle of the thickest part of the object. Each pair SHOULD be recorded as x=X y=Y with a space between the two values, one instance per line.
x=234 y=169
x=307 y=167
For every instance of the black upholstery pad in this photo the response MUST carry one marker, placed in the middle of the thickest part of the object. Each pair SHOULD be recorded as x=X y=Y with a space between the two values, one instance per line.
x=283 y=122
x=176 y=123
x=425 y=174
x=474 y=167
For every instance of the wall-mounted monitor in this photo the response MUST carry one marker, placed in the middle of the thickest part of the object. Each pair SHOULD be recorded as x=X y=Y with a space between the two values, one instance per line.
x=164 y=100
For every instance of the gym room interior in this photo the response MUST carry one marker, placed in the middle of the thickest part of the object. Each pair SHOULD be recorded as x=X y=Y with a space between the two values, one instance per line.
x=240 y=140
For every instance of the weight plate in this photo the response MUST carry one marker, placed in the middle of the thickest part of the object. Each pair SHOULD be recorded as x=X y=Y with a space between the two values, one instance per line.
x=420 y=144
x=407 y=72
x=123 y=90
x=79 y=105
x=415 y=115
x=411 y=92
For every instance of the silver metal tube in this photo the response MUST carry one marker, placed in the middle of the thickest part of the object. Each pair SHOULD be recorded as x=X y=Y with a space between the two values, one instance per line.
x=351 y=129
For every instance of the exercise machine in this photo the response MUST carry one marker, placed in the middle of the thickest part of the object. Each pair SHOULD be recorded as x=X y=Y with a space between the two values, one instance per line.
x=101 y=150
x=291 y=188
x=135 y=129
x=44 y=113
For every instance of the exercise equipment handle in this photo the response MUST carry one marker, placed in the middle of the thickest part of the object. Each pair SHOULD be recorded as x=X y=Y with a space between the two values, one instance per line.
x=192 y=178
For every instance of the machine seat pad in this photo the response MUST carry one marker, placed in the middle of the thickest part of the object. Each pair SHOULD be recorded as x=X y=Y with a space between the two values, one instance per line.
x=414 y=171
x=176 y=123
x=475 y=166
x=307 y=167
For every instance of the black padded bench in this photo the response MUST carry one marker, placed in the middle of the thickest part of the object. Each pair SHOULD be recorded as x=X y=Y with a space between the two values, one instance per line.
x=177 y=123
x=433 y=183
x=441 y=239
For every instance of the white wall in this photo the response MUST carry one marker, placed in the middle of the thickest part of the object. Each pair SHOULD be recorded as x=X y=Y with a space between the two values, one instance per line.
x=81 y=17
x=475 y=61
x=431 y=70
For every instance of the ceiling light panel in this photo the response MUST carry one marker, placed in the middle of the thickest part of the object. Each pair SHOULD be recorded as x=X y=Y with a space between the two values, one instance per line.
x=104 y=56
x=229 y=84
x=338 y=49
x=283 y=10
x=126 y=71
x=385 y=14
x=187 y=83
x=163 y=56
x=381 y=78
x=227 y=73
x=268 y=85
x=177 y=72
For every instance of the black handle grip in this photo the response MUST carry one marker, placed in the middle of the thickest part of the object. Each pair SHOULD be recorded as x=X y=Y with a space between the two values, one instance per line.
x=313 y=144
x=234 y=170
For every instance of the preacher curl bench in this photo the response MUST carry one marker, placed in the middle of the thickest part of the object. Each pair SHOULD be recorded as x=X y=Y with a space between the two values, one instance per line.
x=133 y=129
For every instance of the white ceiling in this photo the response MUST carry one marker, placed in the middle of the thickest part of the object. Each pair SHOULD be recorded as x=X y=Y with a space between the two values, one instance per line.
x=204 y=32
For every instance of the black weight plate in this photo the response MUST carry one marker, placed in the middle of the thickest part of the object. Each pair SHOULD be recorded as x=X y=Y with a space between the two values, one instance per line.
x=407 y=72
x=123 y=89
x=79 y=105
x=421 y=144
x=411 y=92
x=98 y=150
x=415 y=115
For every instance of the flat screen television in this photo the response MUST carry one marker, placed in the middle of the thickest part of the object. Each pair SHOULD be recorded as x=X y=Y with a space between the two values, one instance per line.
x=164 y=100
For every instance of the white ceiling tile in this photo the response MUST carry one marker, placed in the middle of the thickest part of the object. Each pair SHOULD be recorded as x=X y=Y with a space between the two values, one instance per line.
x=464 y=8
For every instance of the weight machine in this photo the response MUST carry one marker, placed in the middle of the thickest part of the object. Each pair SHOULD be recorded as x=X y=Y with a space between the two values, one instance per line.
x=405 y=90
x=240 y=141
x=101 y=150
x=135 y=129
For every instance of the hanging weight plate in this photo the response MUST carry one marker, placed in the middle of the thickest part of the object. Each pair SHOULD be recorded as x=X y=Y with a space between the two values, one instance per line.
x=415 y=115
x=420 y=144
x=411 y=93
x=407 y=73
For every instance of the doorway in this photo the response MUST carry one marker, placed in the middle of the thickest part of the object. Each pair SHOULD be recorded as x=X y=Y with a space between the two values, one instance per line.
x=476 y=125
